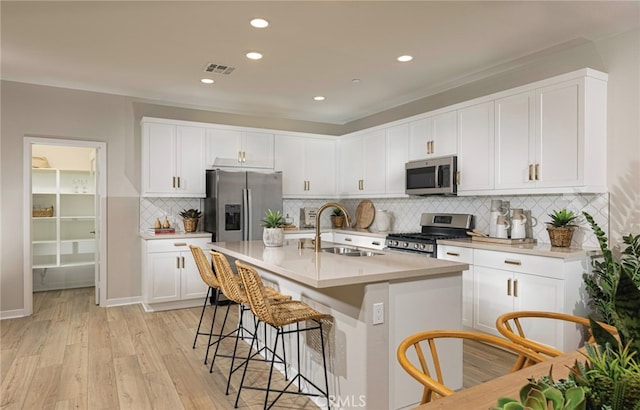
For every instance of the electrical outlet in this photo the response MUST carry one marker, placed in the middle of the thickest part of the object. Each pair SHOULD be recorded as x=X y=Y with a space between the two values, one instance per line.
x=378 y=313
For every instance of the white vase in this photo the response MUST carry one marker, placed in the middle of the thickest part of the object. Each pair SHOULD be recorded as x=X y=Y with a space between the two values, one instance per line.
x=273 y=236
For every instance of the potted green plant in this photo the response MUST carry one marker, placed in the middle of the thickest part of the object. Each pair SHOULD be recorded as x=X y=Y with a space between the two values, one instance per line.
x=337 y=218
x=190 y=218
x=561 y=228
x=273 y=233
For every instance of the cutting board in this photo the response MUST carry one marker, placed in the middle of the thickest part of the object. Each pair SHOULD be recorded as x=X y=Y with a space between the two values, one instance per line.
x=365 y=212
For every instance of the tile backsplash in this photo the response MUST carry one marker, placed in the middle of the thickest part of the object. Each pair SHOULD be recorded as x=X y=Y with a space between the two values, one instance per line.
x=407 y=211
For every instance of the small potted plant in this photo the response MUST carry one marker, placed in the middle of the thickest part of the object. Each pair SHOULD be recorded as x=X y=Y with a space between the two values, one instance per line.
x=561 y=228
x=273 y=234
x=190 y=218
x=337 y=218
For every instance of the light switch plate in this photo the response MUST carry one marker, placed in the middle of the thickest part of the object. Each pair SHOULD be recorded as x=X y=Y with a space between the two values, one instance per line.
x=378 y=313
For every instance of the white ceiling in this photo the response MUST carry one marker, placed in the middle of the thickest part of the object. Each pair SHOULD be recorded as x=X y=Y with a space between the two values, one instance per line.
x=157 y=50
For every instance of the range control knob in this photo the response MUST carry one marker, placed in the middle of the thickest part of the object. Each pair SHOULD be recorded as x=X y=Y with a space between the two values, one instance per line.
x=405 y=244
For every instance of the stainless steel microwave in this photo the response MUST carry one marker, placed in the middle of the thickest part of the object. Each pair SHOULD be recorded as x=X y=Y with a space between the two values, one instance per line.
x=432 y=176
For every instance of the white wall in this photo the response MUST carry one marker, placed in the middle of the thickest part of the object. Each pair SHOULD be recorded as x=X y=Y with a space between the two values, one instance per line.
x=31 y=110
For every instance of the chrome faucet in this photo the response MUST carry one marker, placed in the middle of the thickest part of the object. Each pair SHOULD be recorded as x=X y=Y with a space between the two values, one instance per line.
x=319 y=212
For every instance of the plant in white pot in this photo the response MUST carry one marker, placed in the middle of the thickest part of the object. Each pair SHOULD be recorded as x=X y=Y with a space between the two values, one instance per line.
x=273 y=234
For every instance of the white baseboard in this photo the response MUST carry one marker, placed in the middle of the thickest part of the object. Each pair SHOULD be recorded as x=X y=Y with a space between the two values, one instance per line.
x=122 y=301
x=179 y=304
x=12 y=314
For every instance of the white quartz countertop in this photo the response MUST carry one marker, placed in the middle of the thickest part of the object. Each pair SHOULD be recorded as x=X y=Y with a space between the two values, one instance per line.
x=543 y=249
x=177 y=235
x=323 y=270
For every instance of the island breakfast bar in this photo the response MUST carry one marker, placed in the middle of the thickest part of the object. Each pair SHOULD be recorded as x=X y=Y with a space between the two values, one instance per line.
x=402 y=293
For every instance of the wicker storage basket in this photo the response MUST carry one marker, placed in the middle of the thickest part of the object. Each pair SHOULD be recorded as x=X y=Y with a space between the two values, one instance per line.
x=560 y=237
x=190 y=225
x=42 y=212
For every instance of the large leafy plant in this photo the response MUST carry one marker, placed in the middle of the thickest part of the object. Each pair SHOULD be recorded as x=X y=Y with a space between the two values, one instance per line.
x=601 y=283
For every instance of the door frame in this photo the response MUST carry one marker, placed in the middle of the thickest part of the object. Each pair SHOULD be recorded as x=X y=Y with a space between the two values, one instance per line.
x=101 y=222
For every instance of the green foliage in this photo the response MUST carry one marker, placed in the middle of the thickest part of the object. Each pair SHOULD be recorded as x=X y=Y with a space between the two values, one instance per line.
x=337 y=212
x=273 y=219
x=601 y=284
x=562 y=218
x=546 y=394
x=190 y=213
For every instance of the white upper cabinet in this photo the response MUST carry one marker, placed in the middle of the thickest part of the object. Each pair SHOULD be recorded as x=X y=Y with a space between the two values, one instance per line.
x=434 y=136
x=308 y=166
x=515 y=141
x=239 y=148
x=173 y=160
x=475 y=147
x=553 y=138
x=362 y=164
x=397 y=157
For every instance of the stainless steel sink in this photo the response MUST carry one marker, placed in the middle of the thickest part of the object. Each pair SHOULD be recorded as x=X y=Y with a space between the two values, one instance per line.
x=341 y=250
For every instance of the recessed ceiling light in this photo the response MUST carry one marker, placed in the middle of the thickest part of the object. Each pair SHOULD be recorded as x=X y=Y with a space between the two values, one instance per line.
x=404 y=59
x=355 y=80
x=254 y=55
x=319 y=98
x=259 y=23
x=207 y=81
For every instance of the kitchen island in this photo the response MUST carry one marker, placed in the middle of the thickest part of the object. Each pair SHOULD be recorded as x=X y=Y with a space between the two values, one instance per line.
x=401 y=293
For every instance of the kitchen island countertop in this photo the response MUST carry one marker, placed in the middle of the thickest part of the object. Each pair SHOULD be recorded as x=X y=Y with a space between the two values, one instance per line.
x=323 y=270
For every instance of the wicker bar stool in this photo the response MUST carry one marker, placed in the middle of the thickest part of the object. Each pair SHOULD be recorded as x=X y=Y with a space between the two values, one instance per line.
x=214 y=291
x=278 y=316
x=232 y=288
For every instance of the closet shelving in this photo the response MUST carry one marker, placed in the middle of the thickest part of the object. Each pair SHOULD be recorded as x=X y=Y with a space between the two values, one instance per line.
x=68 y=237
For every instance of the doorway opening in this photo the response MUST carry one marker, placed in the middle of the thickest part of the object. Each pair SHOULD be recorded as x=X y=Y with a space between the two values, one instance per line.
x=65 y=190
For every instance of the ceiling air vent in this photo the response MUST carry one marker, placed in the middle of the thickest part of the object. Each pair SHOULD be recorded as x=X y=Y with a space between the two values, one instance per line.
x=218 y=69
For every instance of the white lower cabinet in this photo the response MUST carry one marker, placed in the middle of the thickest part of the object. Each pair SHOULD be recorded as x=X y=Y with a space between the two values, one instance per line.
x=499 y=282
x=462 y=255
x=363 y=241
x=169 y=273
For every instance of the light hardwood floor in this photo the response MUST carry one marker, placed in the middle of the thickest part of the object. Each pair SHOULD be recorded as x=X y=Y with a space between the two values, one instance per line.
x=72 y=354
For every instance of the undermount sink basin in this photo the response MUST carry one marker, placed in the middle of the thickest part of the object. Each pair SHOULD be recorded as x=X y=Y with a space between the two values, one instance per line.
x=339 y=250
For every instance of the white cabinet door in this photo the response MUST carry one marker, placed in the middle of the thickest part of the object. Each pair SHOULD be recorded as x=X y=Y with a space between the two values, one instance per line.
x=173 y=161
x=351 y=164
x=532 y=292
x=192 y=286
x=223 y=147
x=515 y=142
x=308 y=166
x=158 y=158
x=257 y=150
x=445 y=134
x=397 y=157
x=163 y=279
x=492 y=297
x=559 y=143
x=320 y=167
x=238 y=148
x=475 y=148
x=190 y=161
x=420 y=136
x=290 y=159
x=375 y=172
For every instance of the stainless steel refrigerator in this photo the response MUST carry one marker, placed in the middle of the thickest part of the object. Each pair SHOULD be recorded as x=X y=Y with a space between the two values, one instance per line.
x=236 y=203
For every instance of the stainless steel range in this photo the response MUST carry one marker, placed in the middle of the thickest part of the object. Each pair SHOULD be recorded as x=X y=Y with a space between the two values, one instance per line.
x=434 y=227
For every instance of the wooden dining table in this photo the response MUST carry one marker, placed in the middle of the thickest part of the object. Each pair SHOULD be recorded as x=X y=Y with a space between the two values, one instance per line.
x=485 y=395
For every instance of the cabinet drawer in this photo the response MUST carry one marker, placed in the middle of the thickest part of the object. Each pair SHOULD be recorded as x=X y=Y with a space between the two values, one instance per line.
x=514 y=262
x=174 y=244
x=358 y=240
x=455 y=253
